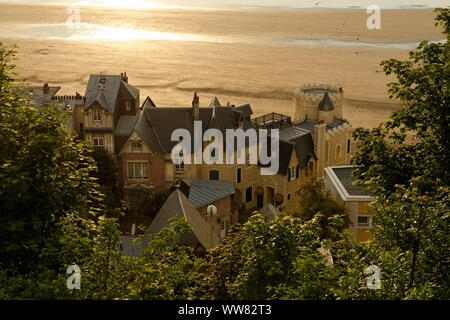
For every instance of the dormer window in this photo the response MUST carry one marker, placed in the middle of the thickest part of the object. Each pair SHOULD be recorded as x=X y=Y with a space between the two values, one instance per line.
x=97 y=115
x=136 y=146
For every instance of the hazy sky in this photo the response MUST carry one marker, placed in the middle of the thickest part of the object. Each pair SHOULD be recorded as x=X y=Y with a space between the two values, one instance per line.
x=236 y=3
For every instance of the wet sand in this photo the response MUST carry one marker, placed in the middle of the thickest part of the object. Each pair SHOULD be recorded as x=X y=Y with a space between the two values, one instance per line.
x=242 y=62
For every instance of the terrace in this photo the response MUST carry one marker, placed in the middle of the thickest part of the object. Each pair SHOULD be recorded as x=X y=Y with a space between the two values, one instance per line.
x=271 y=121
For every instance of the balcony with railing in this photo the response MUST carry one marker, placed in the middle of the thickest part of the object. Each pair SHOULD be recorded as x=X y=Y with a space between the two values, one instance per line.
x=271 y=121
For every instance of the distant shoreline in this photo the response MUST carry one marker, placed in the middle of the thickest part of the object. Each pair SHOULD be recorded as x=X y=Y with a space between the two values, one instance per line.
x=226 y=8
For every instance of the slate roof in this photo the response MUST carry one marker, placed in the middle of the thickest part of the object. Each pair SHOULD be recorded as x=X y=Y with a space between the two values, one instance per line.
x=36 y=95
x=155 y=125
x=340 y=177
x=125 y=125
x=325 y=104
x=291 y=133
x=123 y=130
x=303 y=142
x=148 y=102
x=309 y=124
x=107 y=93
x=215 y=103
x=245 y=109
x=177 y=205
x=203 y=192
x=344 y=176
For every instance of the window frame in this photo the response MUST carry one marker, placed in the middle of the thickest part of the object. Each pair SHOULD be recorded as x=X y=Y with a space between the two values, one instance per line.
x=128 y=105
x=97 y=116
x=367 y=225
x=98 y=139
x=179 y=165
x=238 y=175
x=248 y=194
x=218 y=174
x=133 y=146
x=143 y=164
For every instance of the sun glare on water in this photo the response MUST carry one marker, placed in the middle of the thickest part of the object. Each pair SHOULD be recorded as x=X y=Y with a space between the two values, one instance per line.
x=88 y=31
x=133 y=4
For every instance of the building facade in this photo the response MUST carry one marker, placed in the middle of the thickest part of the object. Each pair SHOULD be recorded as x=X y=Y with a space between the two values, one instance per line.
x=344 y=189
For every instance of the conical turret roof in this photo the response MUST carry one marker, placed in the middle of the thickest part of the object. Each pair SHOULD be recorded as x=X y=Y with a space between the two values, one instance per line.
x=325 y=104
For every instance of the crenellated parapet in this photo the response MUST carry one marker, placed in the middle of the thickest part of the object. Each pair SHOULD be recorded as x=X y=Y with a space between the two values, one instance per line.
x=308 y=97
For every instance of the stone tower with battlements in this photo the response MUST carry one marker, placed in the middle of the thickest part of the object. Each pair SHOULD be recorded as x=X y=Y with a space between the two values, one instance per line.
x=316 y=102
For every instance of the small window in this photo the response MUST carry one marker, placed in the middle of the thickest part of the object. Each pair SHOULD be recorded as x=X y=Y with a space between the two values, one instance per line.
x=179 y=165
x=297 y=171
x=213 y=175
x=128 y=105
x=97 y=115
x=248 y=194
x=289 y=196
x=222 y=225
x=239 y=175
x=348 y=146
x=98 y=142
x=136 y=146
x=363 y=221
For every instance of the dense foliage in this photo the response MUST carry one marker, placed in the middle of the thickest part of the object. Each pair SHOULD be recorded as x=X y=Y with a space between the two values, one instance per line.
x=404 y=164
x=53 y=213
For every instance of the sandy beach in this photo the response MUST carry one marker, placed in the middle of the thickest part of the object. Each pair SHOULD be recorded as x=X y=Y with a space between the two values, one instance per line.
x=241 y=56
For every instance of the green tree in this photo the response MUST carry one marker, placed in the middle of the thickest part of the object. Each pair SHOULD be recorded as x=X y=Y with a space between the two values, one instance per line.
x=404 y=164
x=151 y=206
x=269 y=260
x=168 y=270
x=45 y=174
x=107 y=178
x=315 y=199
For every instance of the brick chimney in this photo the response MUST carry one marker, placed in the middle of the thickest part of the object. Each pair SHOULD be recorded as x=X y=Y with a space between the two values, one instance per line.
x=45 y=89
x=196 y=107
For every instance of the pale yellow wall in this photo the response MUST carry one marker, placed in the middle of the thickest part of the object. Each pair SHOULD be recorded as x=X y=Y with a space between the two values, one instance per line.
x=355 y=209
x=332 y=142
x=363 y=235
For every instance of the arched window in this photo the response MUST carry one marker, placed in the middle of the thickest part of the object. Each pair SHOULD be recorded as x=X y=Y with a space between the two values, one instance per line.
x=338 y=152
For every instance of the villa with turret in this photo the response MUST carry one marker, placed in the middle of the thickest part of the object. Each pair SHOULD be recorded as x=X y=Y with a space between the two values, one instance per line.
x=111 y=116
